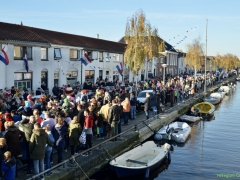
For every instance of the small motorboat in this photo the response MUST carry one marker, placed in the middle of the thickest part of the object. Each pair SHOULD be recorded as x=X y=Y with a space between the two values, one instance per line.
x=212 y=100
x=238 y=78
x=224 y=89
x=140 y=160
x=219 y=95
x=187 y=118
x=204 y=109
x=177 y=131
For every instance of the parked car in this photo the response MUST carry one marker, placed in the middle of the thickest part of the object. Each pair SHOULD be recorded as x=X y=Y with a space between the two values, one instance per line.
x=141 y=98
x=225 y=75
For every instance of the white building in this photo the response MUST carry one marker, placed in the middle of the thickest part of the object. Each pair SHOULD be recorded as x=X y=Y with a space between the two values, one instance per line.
x=53 y=57
x=182 y=68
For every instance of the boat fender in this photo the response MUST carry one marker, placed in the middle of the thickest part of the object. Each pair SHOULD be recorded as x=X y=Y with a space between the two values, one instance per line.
x=147 y=173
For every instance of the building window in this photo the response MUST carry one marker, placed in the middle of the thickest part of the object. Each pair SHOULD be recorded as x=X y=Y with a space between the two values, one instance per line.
x=100 y=54
x=115 y=76
x=73 y=54
x=44 y=54
x=23 y=80
x=108 y=57
x=56 y=77
x=100 y=74
x=57 y=53
x=107 y=75
x=89 y=53
x=116 y=57
x=89 y=75
x=19 y=52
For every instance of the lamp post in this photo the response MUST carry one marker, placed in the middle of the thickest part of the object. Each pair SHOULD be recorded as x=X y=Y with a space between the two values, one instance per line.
x=164 y=66
x=205 y=84
x=136 y=81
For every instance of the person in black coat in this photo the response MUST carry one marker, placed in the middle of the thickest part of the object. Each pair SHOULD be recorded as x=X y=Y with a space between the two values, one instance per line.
x=158 y=101
x=56 y=91
x=38 y=91
x=81 y=117
x=153 y=102
x=147 y=105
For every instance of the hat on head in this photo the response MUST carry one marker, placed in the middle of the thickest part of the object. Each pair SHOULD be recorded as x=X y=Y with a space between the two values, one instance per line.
x=65 y=100
x=69 y=90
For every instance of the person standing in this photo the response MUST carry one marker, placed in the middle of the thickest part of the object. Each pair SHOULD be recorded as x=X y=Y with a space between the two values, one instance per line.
x=126 y=109
x=48 y=149
x=13 y=137
x=9 y=166
x=88 y=124
x=80 y=116
x=56 y=91
x=114 y=117
x=133 y=103
x=59 y=132
x=104 y=110
x=147 y=105
x=37 y=145
x=27 y=126
x=75 y=131
x=48 y=120
x=153 y=102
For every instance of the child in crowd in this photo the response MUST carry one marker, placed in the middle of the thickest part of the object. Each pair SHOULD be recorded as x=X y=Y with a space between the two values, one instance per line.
x=9 y=166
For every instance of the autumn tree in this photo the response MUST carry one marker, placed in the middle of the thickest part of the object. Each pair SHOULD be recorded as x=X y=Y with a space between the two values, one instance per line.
x=194 y=55
x=228 y=61
x=142 y=42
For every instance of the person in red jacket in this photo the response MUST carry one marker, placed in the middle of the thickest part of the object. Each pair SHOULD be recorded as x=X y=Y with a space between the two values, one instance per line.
x=88 y=124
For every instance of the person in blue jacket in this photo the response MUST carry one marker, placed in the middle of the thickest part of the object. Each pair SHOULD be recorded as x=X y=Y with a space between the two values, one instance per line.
x=9 y=166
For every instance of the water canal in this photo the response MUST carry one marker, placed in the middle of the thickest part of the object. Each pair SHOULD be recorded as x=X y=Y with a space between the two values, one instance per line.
x=212 y=151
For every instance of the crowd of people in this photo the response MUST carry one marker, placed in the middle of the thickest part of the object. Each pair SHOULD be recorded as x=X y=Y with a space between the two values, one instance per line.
x=33 y=124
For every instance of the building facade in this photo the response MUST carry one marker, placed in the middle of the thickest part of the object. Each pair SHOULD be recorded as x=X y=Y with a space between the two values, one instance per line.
x=53 y=57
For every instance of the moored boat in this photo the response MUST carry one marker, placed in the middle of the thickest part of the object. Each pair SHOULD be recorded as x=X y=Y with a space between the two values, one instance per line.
x=219 y=95
x=177 y=131
x=187 y=118
x=204 y=109
x=224 y=89
x=212 y=100
x=140 y=160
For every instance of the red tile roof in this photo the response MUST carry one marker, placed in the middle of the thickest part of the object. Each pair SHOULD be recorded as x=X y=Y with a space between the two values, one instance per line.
x=17 y=32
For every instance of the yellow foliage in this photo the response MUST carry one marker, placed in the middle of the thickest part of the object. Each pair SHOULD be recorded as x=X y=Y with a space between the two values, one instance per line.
x=195 y=55
x=142 y=41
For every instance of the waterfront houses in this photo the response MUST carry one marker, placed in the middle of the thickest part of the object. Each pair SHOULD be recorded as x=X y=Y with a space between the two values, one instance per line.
x=53 y=57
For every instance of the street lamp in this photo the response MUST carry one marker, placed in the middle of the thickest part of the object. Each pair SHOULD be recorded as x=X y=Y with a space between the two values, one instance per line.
x=164 y=65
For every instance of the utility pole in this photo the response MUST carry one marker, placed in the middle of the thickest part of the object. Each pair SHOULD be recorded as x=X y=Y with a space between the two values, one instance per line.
x=205 y=83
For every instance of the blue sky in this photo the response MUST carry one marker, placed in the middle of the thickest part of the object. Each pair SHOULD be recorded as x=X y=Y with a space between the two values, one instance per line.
x=108 y=18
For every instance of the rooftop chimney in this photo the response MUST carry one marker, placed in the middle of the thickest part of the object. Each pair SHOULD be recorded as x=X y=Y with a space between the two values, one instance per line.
x=97 y=36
